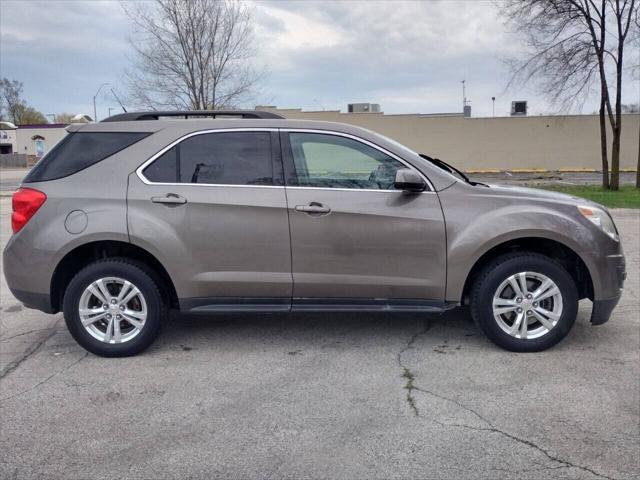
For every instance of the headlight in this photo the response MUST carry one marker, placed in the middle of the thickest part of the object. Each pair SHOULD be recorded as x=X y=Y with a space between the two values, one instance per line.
x=599 y=218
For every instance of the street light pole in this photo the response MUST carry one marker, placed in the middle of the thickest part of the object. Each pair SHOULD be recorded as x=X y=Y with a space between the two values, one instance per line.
x=95 y=115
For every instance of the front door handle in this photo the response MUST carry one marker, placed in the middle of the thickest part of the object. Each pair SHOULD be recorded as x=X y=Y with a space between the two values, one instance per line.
x=170 y=199
x=314 y=208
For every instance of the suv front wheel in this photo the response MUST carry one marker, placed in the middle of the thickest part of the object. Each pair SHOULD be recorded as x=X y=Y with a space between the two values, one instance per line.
x=113 y=308
x=524 y=302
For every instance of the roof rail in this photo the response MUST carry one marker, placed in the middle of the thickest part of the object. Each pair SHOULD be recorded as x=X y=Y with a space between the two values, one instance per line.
x=155 y=115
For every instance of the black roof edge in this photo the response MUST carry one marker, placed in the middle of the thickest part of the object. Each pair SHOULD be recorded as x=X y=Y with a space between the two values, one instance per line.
x=155 y=115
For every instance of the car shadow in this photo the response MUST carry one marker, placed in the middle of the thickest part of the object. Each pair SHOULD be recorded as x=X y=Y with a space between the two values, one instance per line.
x=187 y=331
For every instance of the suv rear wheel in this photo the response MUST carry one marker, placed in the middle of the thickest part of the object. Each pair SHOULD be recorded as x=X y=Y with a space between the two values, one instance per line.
x=524 y=302
x=113 y=308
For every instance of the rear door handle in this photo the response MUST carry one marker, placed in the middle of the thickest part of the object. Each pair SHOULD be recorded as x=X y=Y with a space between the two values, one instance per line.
x=170 y=199
x=314 y=208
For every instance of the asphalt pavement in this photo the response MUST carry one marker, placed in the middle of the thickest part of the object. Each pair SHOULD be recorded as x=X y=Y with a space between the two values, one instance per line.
x=339 y=396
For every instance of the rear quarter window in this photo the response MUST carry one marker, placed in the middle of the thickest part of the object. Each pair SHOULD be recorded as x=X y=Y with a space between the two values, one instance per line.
x=79 y=150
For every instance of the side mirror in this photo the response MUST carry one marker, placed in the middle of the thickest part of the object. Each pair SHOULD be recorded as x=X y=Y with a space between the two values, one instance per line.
x=408 y=180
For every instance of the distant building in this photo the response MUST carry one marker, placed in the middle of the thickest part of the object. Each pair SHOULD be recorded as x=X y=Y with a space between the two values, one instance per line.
x=549 y=142
x=36 y=140
x=7 y=137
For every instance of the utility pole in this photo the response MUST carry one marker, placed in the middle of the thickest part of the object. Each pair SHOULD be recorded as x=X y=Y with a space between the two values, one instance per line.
x=493 y=99
x=95 y=114
x=466 y=108
x=464 y=94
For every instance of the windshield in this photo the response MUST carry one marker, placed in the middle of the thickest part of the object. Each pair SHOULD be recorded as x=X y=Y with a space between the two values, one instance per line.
x=421 y=158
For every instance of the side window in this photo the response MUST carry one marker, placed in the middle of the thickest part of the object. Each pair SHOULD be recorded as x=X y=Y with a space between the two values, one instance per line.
x=330 y=161
x=79 y=150
x=226 y=158
x=165 y=168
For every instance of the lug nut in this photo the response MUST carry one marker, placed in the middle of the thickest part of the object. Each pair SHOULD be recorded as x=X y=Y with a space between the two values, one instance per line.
x=113 y=300
x=518 y=300
x=529 y=296
x=535 y=304
x=104 y=306
x=108 y=317
x=122 y=307
x=529 y=312
x=118 y=317
x=519 y=310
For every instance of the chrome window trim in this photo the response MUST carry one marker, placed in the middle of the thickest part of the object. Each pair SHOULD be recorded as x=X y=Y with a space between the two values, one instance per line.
x=193 y=134
x=370 y=144
x=288 y=130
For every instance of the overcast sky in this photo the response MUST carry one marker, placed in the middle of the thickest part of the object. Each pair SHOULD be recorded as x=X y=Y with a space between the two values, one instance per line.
x=409 y=57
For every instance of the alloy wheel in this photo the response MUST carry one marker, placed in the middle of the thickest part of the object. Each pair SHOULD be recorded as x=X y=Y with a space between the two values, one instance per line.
x=113 y=310
x=527 y=305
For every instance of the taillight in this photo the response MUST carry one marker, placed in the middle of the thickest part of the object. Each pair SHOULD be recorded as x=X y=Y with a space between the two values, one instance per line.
x=25 y=203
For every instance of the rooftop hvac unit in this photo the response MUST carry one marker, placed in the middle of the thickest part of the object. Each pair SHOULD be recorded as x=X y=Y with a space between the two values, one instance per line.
x=518 y=107
x=363 y=108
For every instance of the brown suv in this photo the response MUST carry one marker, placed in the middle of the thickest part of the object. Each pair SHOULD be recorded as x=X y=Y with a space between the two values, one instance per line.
x=248 y=212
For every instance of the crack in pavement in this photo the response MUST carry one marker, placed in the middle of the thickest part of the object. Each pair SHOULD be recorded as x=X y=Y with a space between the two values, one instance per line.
x=412 y=387
x=406 y=373
x=46 y=379
x=6 y=339
x=29 y=351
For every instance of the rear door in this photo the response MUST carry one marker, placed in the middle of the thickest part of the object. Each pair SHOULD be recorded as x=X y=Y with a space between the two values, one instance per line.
x=212 y=208
x=357 y=242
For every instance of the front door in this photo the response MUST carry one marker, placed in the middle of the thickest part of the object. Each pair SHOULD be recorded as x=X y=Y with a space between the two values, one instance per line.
x=212 y=209
x=355 y=240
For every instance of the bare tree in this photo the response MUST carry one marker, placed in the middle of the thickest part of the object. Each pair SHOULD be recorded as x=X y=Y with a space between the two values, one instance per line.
x=14 y=107
x=574 y=46
x=636 y=71
x=190 y=54
x=64 y=117
x=12 y=103
x=29 y=115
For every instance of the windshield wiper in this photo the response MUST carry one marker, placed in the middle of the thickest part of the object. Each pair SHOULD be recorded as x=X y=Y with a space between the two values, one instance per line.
x=450 y=168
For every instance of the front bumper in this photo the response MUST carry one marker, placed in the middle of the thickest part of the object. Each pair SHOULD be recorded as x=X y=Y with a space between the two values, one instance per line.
x=612 y=274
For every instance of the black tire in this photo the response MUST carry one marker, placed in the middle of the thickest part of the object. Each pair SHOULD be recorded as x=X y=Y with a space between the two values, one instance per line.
x=501 y=268
x=127 y=270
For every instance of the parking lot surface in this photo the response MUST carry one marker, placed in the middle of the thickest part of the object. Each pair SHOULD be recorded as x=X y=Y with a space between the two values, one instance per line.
x=341 y=396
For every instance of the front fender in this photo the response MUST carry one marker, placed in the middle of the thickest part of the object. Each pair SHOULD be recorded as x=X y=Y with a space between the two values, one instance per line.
x=474 y=231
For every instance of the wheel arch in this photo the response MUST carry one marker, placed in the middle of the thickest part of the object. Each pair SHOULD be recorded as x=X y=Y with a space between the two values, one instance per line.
x=554 y=249
x=82 y=255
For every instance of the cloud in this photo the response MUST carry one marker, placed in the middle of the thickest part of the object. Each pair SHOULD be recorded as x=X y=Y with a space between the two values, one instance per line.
x=407 y=56
x=63 y=51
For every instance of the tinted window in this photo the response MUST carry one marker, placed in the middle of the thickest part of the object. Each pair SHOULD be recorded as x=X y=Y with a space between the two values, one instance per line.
x=78 y=151
x=228 y=158
x=165 y=168
x=330 y=161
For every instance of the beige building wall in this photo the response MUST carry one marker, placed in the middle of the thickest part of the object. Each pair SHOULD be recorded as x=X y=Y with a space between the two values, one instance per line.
x=505 y=143
x=26 y=143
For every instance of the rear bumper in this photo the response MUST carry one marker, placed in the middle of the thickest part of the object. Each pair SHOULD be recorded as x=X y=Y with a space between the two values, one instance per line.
x=39 y=301
x=26 y=274
x=602 y=310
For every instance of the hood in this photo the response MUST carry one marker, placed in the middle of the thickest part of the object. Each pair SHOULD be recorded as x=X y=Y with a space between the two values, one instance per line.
x=527 y=192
